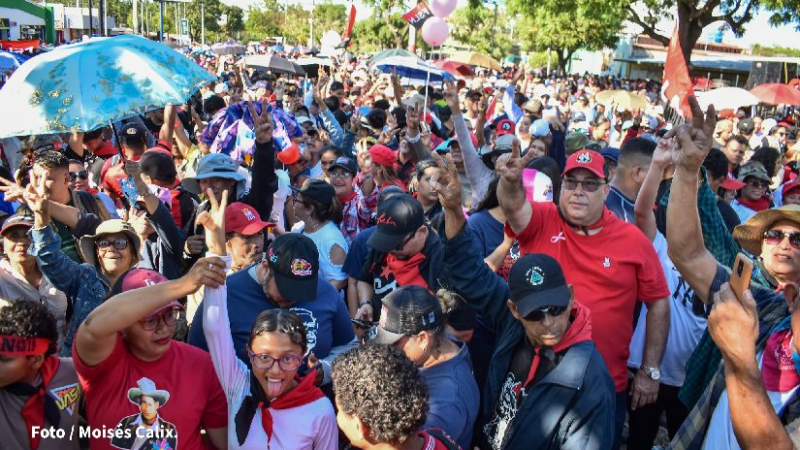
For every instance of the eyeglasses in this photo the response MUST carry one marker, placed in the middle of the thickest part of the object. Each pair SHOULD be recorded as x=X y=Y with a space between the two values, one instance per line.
x=538 y=315
x=757 y=184
x=588 y=185
x=169 y=318
x=296 y=200
x=83 y=175
x=335 y=175
x=265 y=362
x=119 y=244
x=775 y=237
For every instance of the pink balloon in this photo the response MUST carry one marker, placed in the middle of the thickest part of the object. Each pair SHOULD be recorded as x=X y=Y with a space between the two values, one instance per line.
x=435 y=31
x=442 y=8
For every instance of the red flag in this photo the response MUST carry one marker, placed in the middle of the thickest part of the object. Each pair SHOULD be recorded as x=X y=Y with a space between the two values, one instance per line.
x=351 y=21
x=418 y=15
x=676 y=87
x=490 y=109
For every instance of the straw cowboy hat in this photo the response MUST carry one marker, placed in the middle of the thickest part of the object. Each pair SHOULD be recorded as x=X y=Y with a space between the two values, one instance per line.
x=147 y=388
x=751 y=233
x=86 y=245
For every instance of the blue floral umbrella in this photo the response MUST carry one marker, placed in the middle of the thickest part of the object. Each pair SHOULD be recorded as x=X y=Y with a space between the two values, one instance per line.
x=85 y=86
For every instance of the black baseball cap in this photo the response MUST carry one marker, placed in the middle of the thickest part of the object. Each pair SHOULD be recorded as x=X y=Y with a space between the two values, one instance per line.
x=318 y=190
x=398 y=216
x=407 y=311
x=132 y=133
x=747 y=126
x=293 y=258
x=536 y=281
x=348 y=164
x=17 y=220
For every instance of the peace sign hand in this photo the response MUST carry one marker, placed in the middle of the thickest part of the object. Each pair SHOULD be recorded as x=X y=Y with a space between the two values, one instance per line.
x=214 y=223
x=37 y=198
x=510 y=168
x=262 y=122
x=446 y=182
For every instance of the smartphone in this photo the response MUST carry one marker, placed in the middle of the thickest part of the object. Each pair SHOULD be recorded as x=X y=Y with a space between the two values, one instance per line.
x=364 y=324
x=740 y=277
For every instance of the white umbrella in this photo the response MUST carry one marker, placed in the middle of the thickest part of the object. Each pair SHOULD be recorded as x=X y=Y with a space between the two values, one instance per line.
x=726 y=98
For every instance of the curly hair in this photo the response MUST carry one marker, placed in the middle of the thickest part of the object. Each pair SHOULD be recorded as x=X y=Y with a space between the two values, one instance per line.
x=30 y=319
x=280 y=321
x=52 y=159
x=384 y=389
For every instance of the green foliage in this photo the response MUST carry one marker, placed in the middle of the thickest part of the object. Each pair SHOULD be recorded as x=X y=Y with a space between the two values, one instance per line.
x=775 y=51
x=472 y=26
x=565 y=28
x=373 y=34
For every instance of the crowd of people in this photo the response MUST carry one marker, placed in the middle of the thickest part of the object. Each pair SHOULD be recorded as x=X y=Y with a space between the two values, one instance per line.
x=498 y=263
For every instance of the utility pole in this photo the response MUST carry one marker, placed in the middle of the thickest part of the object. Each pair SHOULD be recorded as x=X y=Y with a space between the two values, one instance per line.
x=91 y=22
x=102 y=13
x=311 y=38
x=135 y=12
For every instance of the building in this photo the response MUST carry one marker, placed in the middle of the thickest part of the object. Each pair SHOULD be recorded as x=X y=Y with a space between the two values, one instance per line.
x=22 y=20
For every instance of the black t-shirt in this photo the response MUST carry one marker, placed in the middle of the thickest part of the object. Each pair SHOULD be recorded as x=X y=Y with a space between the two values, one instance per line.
x=512 y=393
x=728 y=215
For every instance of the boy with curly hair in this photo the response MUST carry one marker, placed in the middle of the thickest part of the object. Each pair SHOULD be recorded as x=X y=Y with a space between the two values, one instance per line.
x=39 y=392
x=382 y=401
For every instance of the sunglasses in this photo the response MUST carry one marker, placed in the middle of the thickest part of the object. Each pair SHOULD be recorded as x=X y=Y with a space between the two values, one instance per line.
x=757 y=184
x=775 y=237
x=285 y=363
x=590 y=185
x=82 y=175
x=169 y=318
x=405 y=241
x=538 y=315
x=119 y=244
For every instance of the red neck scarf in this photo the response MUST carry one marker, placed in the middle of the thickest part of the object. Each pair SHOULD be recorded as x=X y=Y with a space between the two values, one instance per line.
x=406 y=272
x=757 y=205
x=348 y=197
x=580 y=330
x=304 y=393
x=778 y=368
x=36 y=409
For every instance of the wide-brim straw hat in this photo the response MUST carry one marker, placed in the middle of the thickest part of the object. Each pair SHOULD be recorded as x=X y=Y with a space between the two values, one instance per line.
x=751 y=233
x=86 y=245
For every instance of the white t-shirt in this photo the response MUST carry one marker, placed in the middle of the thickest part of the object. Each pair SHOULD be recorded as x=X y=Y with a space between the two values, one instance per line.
x=280 y=196
x=685 y=327
x=325 y=238
x=720 y=434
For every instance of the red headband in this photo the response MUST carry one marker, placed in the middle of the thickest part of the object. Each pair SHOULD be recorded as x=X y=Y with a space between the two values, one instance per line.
x=23 y=346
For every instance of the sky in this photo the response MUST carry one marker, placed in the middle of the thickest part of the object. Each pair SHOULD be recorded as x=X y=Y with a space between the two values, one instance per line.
x=757 y=31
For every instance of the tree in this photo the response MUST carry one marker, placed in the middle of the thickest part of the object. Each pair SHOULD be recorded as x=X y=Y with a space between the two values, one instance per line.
x=388 y=11
x=473 y=26
x=693 y=16
x=327 y=16
x=235 y=23
x=583 y=24
x=213 y=11
x=372 y=34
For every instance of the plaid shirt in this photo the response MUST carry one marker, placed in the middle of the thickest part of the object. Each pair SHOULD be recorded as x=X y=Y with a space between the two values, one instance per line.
x=357 y=213
x=772 y=310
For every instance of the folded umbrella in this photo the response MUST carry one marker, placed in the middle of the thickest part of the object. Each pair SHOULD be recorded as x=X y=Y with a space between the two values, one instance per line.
x=85 y=86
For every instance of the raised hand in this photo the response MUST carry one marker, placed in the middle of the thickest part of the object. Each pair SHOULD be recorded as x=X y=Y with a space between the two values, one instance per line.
x=37 y=197
x=262 y=122
x=695 y=140
x=412 y=119
x=510 y=167
x=664 y=154
x=214 y=223
x=733 y=324
x=206 y=272
x=12 y=191
x=451 y=96
x=446 y=182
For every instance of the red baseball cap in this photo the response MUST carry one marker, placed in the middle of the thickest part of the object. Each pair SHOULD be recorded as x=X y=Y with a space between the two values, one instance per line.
x=383 y=155
x=788 y=187
x=289 y=155
x=504 y=127
x=732 y=184
x=243 y=219
x=139 y=278
x=586 y=159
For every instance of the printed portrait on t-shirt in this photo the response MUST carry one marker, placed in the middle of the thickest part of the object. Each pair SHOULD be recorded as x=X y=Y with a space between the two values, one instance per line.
x=146 y=430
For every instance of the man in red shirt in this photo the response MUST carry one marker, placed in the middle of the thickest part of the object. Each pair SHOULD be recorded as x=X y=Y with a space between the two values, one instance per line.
x=133 y=138
x=611 y=264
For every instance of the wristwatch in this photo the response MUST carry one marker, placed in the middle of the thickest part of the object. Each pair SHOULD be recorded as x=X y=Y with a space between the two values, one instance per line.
x=652 y=372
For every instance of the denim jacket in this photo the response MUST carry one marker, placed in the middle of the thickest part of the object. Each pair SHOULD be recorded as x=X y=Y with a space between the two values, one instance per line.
x=85 y=287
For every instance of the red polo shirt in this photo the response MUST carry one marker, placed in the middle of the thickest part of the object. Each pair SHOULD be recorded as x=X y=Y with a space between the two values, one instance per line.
x=610 y=271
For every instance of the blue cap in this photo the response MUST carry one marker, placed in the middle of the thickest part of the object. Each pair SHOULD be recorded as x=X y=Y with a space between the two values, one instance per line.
x=611 y=153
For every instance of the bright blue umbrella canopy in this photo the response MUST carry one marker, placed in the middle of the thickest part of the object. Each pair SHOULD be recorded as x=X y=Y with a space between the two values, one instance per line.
x=85 y=86
x=413 y=68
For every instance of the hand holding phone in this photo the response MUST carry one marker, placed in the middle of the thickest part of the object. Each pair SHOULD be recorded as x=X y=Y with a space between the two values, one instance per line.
x=740 y=276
